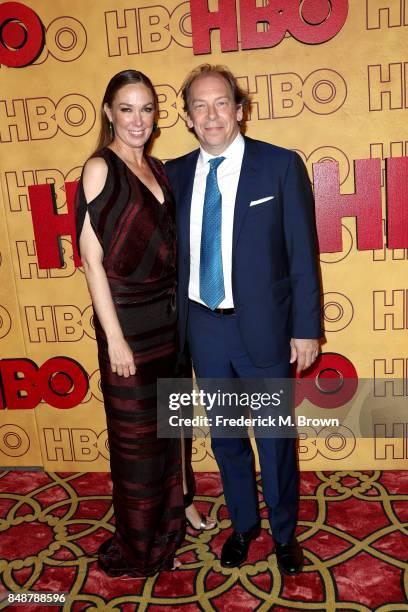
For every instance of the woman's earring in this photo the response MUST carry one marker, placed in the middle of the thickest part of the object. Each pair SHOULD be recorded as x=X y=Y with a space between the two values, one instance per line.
x=155 y=127
x=111 y=129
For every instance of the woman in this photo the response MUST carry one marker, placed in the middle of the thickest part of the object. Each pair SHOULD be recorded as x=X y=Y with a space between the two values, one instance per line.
x=125 y=225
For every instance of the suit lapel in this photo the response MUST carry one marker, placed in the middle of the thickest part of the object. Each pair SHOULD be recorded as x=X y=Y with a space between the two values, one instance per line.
x=185 y=195
x=245 y=186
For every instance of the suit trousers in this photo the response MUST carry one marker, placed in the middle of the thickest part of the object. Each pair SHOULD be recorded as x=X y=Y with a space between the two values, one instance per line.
x=217 y=351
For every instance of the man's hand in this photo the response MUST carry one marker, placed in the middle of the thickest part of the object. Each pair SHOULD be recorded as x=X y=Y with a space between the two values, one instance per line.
x=304 y=351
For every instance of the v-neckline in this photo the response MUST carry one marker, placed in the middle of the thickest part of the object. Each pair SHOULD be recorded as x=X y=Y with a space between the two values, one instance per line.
x=140 y=180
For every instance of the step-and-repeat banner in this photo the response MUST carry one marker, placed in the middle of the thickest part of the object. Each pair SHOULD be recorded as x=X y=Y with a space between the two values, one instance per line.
x=328 y=79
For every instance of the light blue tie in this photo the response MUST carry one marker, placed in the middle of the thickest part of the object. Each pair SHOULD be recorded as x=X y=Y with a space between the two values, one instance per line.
x=211 y=275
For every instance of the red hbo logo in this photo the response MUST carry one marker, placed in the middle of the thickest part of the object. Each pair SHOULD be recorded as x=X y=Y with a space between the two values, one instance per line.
x=60 y=381
x=21 y=35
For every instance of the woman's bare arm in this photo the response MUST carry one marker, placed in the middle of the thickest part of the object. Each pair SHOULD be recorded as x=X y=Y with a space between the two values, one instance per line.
x=120 y=353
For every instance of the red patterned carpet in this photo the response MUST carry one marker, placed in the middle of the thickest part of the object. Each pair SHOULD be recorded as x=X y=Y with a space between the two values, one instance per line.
x=353 y=527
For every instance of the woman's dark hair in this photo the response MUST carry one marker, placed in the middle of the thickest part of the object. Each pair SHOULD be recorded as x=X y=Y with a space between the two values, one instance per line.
x=126 y=77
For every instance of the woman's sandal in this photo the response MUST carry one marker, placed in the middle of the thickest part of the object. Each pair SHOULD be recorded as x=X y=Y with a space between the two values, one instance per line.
x=204 y=524
x=176 y=565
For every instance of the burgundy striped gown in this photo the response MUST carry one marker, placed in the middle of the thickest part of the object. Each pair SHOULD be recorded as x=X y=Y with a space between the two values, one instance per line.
x=137 y=235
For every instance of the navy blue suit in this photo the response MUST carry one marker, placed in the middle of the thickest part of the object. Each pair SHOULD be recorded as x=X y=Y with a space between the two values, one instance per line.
x=276 y=296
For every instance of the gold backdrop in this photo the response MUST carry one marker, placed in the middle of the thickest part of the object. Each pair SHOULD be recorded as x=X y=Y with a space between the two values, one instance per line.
x=327 y=79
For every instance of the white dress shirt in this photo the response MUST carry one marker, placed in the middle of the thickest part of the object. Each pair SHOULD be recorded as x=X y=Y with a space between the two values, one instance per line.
x=227 y=176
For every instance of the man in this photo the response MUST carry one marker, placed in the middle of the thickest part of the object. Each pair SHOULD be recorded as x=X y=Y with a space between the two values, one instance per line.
x=249 y=298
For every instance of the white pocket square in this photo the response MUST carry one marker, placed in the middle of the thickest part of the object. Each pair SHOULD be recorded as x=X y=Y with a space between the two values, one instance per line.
x=261 y=201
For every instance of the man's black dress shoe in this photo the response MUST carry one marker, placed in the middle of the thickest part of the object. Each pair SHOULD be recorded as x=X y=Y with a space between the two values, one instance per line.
x=289 y=556
x=235 y=550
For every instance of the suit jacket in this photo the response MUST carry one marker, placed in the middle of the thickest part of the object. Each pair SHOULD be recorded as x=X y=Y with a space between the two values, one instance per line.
x=275 y=282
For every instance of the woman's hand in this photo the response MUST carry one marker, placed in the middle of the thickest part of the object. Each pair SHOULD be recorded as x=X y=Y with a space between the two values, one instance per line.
x=121 y=358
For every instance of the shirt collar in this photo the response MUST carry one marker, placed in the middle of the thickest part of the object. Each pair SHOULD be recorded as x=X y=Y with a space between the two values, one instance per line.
x=234 y=151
